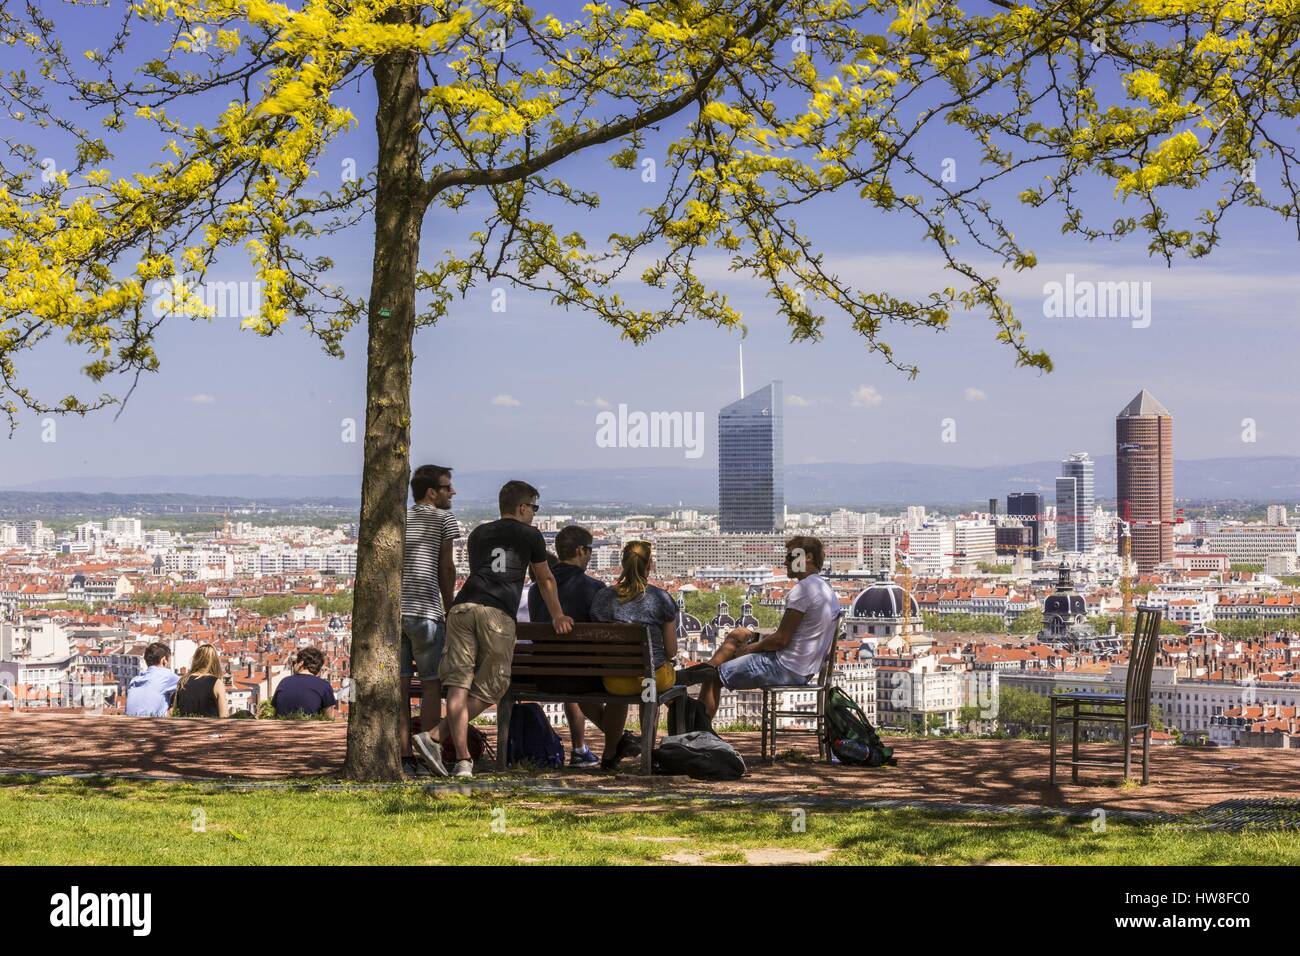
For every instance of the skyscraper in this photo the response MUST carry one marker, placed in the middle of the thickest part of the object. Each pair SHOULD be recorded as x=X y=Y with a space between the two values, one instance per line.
x=1074 y=504
x=1144 y=478
x=1028 y=507
x=751 y=463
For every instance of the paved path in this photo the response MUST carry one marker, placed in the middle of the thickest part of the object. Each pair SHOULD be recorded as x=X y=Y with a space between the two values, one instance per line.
x=941 y=771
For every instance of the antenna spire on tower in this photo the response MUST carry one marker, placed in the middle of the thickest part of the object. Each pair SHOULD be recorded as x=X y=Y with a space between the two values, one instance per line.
x=742 y=369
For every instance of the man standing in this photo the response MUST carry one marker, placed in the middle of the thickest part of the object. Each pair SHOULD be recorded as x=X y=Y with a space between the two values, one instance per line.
x=481 y=624
x=794 y=653
x=150 y=694
x=576 y=589
x=428 y=585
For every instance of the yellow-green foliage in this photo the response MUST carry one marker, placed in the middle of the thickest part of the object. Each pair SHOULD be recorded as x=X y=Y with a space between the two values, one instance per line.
x=768 y=106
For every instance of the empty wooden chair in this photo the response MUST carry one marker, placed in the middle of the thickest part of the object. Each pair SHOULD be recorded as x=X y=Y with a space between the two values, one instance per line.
x=1131 y=709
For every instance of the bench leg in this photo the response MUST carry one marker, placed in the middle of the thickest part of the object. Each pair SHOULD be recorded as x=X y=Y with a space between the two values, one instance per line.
x=677 y=715
x=649 y=730
x=1051 y=736
x=504 y=708
x=1074 y=748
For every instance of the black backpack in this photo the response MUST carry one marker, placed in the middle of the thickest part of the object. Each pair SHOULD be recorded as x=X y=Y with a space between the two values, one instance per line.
x=849 y=734
x=695 y=717
x=699 y=754
x=532 y=739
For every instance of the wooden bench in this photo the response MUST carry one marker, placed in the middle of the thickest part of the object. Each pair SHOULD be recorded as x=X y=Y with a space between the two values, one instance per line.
x=589 y=650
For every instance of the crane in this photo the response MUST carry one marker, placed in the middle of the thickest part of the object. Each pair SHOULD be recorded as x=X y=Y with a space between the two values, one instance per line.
x=1125 y=572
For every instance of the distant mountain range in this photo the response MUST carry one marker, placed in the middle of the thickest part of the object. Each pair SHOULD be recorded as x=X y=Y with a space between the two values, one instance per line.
x=1262 y=479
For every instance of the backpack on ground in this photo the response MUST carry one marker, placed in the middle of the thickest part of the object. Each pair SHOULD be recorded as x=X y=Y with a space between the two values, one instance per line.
x=532 y=739
x=702 y=755
x=849 y=734
x=474 y=738
x=696 y=718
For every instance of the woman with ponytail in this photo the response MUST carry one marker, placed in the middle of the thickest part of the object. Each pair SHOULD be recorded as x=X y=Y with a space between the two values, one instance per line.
x=634 y=600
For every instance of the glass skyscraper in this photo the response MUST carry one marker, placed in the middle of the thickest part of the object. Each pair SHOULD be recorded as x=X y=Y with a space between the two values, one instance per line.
x=1074 y=504
x=751 y=462
x=1028 y=506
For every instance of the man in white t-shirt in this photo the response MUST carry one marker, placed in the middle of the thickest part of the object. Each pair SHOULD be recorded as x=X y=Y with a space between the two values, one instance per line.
x=794 y=653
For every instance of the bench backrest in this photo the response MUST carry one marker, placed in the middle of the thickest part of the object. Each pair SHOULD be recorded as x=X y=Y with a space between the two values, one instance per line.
x=589 y=650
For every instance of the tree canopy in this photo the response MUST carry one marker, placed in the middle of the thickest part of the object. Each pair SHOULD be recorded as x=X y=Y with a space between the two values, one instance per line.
x=770 y=105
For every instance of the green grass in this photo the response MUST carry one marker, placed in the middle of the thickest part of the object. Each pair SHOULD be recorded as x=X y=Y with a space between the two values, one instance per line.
x=66 y=821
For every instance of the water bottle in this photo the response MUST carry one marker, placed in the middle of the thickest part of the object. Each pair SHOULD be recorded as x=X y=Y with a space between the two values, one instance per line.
x=852 y=751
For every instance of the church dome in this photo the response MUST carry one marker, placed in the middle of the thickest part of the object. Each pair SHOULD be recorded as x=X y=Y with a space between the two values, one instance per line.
x=883 y=598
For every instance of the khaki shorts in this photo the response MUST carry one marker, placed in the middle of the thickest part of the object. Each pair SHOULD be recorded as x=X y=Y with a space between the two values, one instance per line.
x=480 y=646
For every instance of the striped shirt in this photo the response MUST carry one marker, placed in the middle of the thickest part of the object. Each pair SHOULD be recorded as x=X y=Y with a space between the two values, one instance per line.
x=427 y=528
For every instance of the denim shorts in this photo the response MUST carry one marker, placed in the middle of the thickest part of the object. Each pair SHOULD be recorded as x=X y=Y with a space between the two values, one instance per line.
x=422 y=643
x=758 y=670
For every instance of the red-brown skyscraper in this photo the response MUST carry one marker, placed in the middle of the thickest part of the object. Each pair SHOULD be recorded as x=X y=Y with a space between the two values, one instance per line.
x=1144 y=478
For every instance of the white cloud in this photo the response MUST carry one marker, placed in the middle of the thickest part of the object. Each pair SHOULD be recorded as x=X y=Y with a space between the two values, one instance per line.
x=975 y=395
x=201 y=399
x=507 y=400
x=798 y=401
x=866 y=396
x=597 y=401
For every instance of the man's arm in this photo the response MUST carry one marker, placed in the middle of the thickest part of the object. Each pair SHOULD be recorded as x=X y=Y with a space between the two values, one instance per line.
x=551 y=595
x=780 y=637
x=446 y=575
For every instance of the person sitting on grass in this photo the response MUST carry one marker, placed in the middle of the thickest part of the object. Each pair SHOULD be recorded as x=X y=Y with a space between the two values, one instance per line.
x=634 y=600
x=202 y=691
x=577 y=590
x=150 y=694
x=304 y=693
x=794 y=653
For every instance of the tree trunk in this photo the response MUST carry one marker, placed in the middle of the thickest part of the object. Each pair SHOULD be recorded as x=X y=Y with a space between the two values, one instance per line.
x=373 y=719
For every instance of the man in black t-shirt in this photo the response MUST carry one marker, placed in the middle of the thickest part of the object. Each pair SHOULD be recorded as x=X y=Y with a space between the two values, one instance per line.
x=480 y=640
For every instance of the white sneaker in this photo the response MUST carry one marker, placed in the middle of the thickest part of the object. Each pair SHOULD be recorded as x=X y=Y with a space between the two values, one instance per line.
x=464 y=768
x=430 y=751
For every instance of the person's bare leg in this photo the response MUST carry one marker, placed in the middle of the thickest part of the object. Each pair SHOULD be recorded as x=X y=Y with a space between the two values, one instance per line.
x=615 y=720
x=594 y=712
x=577 y=725
x=406 y=716
x=430 y=704
x=731 y=646
x=710 y=695
x=457 y=721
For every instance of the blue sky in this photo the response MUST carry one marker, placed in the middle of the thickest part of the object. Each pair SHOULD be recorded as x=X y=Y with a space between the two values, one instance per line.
x=523 y=388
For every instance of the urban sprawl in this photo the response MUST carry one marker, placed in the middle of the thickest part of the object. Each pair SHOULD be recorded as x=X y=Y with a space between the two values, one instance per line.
x=952 y=623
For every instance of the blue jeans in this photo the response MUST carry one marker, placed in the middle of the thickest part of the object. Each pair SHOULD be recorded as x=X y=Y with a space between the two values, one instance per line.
x=753 y=671
x=422 y=643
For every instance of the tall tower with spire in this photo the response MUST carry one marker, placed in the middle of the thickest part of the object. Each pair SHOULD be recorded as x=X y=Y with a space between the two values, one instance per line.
x=1144 y=478
x=751 y=463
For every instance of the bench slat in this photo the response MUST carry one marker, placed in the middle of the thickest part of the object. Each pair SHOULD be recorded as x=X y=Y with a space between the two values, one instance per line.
x=593 y=633
x=535 y=671
x=589 y=647
x=627 y=660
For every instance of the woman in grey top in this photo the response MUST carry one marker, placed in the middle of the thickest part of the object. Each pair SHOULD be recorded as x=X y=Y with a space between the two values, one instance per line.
x=634 y=600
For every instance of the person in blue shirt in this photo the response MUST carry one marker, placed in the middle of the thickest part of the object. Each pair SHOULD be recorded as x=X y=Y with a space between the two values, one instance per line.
x=304 y=692
x=150 y=694
x=577 y=589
